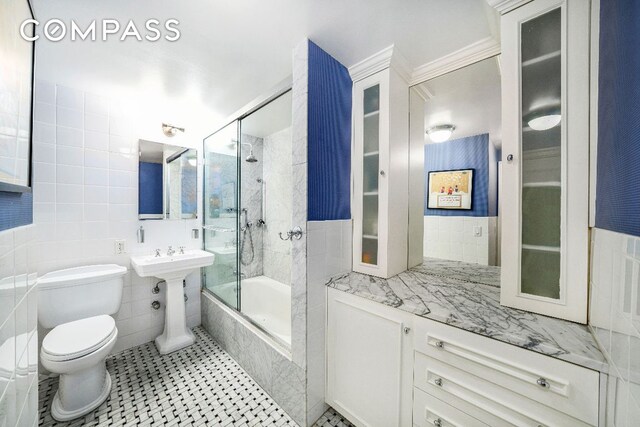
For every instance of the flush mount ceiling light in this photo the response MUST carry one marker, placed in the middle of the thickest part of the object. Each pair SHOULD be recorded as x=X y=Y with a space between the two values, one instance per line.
x=543 y=119
x=170 y=130
x=440 y=133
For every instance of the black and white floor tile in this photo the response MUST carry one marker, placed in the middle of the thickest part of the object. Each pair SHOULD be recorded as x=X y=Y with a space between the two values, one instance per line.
x=198 y=386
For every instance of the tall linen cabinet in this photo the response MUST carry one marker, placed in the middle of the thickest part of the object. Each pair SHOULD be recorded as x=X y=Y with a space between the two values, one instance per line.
x=380 y=165
x=545 y=171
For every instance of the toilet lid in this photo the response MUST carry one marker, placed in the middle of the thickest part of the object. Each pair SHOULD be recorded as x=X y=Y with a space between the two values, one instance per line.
x=78 y=338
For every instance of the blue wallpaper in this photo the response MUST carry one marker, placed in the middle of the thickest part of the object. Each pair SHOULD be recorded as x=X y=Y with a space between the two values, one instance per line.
x=150 y=200
x=463 y=153
x=618 y=179
x=329 y=138
x=16 y=209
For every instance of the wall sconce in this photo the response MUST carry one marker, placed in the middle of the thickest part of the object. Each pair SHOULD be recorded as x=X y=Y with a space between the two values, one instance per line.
x=170 y=130
x=440 y=133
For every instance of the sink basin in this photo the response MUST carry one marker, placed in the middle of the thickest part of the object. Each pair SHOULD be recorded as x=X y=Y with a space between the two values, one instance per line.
x=166 y=266
x=173 y=269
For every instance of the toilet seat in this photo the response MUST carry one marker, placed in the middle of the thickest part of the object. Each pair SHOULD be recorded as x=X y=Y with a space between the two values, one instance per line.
x=79 y=338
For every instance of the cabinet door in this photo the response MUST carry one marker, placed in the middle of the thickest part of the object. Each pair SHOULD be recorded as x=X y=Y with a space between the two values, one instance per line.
x=546 y=159
x=370 y=157
x=369 y=361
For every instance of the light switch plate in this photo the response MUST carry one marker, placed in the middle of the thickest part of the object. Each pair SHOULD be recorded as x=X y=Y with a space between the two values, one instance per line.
x=477 y=231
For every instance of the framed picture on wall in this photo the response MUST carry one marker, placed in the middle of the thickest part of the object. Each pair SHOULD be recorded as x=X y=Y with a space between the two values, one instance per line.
x=16 y=96
x=452 y=189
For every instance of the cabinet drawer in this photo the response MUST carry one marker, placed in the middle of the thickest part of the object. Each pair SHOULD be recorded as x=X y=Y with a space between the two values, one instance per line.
x=567 y=388
x=490 y=403
x=429 y=411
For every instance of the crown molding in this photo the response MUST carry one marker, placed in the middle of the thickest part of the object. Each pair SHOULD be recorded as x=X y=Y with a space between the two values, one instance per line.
x=504 y=6
x=423 y=92
x=389 y=57
x=482 y=49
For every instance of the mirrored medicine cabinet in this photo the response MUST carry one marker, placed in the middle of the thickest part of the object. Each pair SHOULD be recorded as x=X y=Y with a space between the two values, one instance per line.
x=167 y=181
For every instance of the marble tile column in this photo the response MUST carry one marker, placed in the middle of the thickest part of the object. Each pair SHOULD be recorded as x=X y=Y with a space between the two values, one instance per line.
x=299 y=206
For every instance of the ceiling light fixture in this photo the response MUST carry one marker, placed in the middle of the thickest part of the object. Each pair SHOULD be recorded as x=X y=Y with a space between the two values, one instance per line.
x=543 y=119
x=170 y=130
x=440 y=133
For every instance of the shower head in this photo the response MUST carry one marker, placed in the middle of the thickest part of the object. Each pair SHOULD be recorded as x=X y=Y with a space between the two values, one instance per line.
x=251 y=158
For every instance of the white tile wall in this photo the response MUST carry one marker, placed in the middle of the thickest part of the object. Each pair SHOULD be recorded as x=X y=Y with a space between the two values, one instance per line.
x=614 y=316
x=18 y=328
x=328 y=254
x=86 y=197
x=452 y=237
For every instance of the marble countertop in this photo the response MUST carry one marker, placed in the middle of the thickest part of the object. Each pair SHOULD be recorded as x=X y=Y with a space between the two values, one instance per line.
x=467 y=296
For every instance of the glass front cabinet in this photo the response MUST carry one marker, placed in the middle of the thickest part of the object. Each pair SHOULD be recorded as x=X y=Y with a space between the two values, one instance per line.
x=380 y=174
x=545 y=119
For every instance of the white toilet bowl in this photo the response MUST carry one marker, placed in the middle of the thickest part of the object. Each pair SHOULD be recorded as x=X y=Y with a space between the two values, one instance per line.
x=77 y=304
x=77 y=351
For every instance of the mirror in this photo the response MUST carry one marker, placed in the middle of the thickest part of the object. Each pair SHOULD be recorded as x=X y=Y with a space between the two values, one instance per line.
x=455 y=128
x=167 y=181
x=16 y=97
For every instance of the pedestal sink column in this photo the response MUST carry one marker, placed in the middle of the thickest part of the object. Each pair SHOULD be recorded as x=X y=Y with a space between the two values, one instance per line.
x=173 y=269
x=176 y=335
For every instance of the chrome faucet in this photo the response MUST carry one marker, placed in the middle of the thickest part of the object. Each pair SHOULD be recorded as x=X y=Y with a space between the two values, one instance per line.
x=170 y=251
x=181 y=248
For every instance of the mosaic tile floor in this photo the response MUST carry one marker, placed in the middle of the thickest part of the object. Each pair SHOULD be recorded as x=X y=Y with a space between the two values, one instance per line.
x=198 y=386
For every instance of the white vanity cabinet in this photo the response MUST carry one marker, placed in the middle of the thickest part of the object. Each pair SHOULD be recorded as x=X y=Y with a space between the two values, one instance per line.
x=380 y=167
x=496 y=383
x=386 y=367
x=369 y=361
x=545 y=165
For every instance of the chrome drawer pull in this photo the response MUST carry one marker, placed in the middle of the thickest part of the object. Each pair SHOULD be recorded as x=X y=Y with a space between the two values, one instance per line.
x=439 y=344
x=437 y=422
x=542 y=382
x=438 y=382
x=406 y=330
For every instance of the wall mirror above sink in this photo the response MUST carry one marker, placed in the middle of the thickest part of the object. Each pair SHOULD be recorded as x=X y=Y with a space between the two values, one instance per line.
x=167 y=181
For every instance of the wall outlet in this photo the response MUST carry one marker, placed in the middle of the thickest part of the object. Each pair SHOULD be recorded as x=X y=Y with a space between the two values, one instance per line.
x=120 y=247
x=477 y=231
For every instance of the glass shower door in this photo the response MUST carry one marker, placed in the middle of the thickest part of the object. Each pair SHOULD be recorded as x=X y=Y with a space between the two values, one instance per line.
x=221 y=213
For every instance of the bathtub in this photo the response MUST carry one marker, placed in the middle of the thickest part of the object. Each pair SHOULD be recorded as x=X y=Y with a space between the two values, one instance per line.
x=266 y=302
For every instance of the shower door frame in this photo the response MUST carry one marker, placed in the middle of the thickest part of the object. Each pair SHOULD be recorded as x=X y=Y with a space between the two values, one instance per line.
x=204 y=227
x=282 y=88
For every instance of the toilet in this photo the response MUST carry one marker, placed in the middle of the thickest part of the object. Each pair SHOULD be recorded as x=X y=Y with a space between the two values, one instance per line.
x=77 y=304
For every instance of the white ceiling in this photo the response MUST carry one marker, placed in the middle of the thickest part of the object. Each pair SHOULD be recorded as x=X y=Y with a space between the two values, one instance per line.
x=469 y=99
x=273 y=117
x=232 y=51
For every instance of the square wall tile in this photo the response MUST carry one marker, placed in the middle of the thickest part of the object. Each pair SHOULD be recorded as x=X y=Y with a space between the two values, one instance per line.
x=96 y=140
x=69 y=118
x=96 y=122
x=69 y=136
x=45 y=92
x=96 y=104
x=70 y=98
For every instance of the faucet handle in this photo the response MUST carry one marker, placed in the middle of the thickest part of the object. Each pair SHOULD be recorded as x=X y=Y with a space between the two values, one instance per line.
x=181 y=248
x=157 y=252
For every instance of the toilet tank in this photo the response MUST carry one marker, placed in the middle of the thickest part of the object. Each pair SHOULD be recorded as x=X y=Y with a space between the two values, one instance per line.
x=78 y=293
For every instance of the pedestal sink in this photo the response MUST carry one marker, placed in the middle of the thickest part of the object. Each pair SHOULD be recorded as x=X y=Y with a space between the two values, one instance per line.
x=172 y=269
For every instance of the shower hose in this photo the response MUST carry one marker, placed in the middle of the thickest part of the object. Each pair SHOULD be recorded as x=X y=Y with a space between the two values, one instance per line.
x=246 y=230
